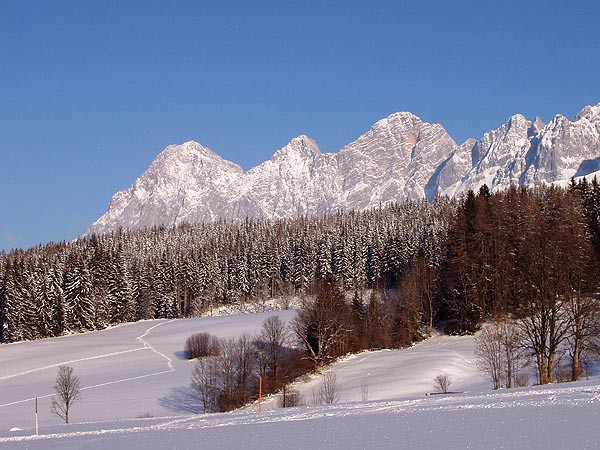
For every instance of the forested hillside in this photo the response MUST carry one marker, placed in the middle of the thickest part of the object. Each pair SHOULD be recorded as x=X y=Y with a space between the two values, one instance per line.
x=165 y=273
x=451 y=262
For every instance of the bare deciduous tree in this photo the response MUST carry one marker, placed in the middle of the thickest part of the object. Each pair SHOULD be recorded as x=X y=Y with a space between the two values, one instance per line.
x=244 y=367
x=199 y=345
x=514 y=355
x=289 y=397
x=205 y=382
x=500 y=353
x=584 y=334
x=364 y=390
x=273 y=337
x=442 y=382
x=490 y=354
x=67 y=389
x=329 y=390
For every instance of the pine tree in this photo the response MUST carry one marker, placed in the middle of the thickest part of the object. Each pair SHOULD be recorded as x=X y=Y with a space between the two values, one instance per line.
x=118 y=291
x=3 y=282
x=45 y=307
x=12 y=320
x=57 y=299
x=79 y=306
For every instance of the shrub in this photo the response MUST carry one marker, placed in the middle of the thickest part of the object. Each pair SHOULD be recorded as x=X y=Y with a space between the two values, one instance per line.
x=289 y=397
x=329 y=390
x=200 y=345
x=441 y=383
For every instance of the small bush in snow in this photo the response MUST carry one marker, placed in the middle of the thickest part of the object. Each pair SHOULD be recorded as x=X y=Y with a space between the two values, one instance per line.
x=289 y=397
x=329 y=391
x=199 y=345
x=441 y=383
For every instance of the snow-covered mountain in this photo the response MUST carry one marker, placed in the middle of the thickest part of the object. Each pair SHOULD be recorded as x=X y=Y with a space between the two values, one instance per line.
x=527 y=153
x=400 y=157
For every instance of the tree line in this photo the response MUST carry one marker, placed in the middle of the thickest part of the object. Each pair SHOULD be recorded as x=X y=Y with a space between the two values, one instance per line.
x=184 y=271
x=528 y=259
x=373 y=279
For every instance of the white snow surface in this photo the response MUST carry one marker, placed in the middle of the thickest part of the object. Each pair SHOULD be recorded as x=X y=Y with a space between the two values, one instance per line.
x=135 y=369
x=125 y=371
x=400 y=374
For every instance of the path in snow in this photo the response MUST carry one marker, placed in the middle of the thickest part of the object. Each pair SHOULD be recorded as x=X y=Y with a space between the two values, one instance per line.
x=146 y=346
x=125 y=372
x=138 y=370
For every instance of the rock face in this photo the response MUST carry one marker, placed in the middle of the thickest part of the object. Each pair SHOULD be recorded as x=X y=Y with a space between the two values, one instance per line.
x=527 y=153
x=399 y=157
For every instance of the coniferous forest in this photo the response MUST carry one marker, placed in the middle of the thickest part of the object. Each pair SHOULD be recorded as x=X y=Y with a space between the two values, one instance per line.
x=390 y=273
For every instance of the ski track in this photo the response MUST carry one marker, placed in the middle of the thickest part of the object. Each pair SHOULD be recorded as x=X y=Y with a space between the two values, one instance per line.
x=64 y=363
x=140 y=339
x=148 y=346
x=570 y=397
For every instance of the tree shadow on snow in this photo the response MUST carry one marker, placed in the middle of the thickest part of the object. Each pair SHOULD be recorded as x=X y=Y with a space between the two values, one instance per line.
x=181 y=399
x=181 y=355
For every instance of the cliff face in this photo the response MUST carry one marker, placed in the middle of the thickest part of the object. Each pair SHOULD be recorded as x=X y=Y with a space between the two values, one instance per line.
x=528 y=153
x=399 y=157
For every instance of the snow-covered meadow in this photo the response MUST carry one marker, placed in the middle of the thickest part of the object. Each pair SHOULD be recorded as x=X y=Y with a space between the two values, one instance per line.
x=137 y=370
x=127 y=371
x=562 y=416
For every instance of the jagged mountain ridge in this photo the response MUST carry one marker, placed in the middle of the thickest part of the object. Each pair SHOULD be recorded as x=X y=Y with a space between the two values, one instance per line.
x=400 y=156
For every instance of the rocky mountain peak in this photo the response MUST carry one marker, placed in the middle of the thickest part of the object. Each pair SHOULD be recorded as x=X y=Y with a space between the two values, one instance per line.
x=299 y=147
x=518 y=121
x=394 y=119
x=191 y=155
x=400 y=123
x=399 y=157
x=590 y=113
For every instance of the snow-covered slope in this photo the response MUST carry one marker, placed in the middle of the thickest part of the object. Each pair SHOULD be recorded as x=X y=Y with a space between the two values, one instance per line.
x=553 y=417
x=400 y=374
x=400 y=157
x=136 y=370
x=125 y=371
x=543 y=417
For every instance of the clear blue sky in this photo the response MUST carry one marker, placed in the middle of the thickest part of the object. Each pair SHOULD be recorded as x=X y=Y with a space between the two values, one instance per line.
x=91 y=92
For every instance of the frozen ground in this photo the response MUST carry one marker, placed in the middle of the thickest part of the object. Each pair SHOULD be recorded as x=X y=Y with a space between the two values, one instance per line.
x=136 y=369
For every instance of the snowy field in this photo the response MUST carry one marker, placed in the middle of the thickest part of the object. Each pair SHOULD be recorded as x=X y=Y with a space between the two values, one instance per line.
x=137 y=370
x=126 y=371
x=562 y=416
x=400 y=374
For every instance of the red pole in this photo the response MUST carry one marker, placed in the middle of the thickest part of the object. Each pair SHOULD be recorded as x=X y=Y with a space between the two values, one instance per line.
x=259 y=391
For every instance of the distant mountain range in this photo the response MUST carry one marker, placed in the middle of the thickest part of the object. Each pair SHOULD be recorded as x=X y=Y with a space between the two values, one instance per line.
x=400 y=157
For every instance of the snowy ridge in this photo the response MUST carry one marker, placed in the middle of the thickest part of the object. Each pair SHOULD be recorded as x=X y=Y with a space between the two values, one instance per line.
x=400 y=157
